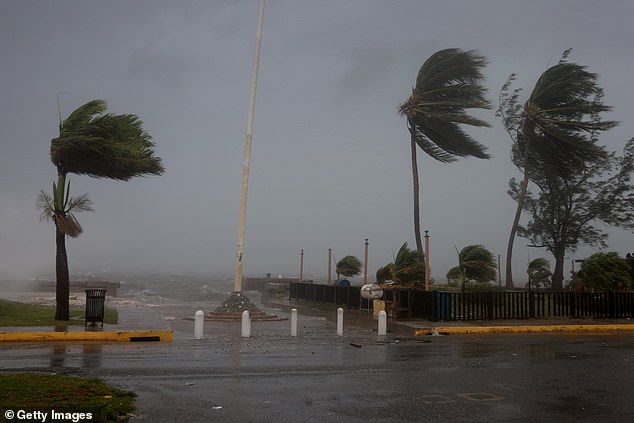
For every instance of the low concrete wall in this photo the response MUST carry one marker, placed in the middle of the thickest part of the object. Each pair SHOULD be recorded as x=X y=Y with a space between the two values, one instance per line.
x=258 y=284
x=80 y=286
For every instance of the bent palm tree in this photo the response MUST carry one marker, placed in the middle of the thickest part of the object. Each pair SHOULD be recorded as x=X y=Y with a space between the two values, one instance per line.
x=555 y=129
x=100 y=145
x=407 y=268
x=448 y=83
x=475 y=263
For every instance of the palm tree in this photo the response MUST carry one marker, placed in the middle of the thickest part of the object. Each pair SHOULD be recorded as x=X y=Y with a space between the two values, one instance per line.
x=448 y=83
x=555 y=130
x=407 y=268
x=475 y=263
x=100 y=145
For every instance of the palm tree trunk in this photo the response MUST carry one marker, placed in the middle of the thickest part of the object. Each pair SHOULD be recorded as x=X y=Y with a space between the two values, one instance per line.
x=516 y=221
x=62 y=287
x=419 y=241
x=62 y=290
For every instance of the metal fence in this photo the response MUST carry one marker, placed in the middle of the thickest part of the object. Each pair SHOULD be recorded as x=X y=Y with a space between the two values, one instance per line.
x=448 y=306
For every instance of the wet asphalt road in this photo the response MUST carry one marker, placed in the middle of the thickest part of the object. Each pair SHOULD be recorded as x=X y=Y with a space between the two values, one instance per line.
x=319 y=377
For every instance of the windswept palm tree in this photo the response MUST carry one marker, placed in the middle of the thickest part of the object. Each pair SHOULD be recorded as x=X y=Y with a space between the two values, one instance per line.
x=475 y=263
x=406 y=269
x=100 y=145
x=448 y=83
x=556 y=128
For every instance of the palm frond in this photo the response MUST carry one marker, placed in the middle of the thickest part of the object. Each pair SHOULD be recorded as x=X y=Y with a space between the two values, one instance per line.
x=46 y=206
x=449 y=67
x=79 y=204
x=81 y=116
x=560 y=119
x=448 y=83
x=431 y=149
x=478 y=263
x=452 y=139
x=408 y=265
x=104 y=145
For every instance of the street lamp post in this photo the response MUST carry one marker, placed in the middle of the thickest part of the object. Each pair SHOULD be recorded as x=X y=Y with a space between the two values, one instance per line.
x=426 y=260
x=365 y=264
x=329 y=265
x=301 y=268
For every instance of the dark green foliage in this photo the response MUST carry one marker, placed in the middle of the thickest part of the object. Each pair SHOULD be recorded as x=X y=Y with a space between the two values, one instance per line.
x=348 y=266
x=65 y=394
x=539 y=273
x=605 y=272
x=567 y=209
x=448 y=83
x=476 y=264
x=407 y=268
x=555 y=131
x=96 y=144
x=454 y=274
x=104 y=145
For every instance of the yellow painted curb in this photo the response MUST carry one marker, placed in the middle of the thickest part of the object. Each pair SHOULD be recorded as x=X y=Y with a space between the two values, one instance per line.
x=465 y=330
x=123 y=336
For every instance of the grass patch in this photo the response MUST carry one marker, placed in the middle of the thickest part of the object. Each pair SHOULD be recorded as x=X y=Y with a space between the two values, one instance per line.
x=14 y=313
x=65 y=394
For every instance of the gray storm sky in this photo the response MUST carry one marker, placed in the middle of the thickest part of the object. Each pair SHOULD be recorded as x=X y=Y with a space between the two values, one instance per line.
x=330 y=163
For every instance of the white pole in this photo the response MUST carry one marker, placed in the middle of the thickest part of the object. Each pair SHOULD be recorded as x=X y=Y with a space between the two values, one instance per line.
x=246 y=324
x=340 y=321
x=294 y=322
x=199 y=322
x=247 y=154
x=382 y=323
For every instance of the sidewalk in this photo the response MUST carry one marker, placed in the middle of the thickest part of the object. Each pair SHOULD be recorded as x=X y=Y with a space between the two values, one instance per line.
x=135 y=324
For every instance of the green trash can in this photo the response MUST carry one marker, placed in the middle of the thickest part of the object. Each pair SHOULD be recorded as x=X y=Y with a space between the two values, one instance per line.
x=95 y=305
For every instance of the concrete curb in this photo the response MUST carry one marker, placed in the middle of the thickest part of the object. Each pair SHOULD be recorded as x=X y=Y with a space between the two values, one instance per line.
x=483 y=330
x=122 y=336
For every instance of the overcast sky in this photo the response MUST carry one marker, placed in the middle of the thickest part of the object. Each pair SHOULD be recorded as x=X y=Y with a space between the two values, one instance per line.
x=330 y=163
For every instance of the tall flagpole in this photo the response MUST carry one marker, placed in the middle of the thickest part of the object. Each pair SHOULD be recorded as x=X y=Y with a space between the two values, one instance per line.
x=247 y=155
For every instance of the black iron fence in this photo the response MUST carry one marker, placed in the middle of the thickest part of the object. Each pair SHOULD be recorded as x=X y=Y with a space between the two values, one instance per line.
x=447 y=306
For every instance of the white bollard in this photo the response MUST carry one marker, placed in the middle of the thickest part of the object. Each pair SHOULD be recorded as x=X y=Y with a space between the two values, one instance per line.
x=294 y=322
x=246 y=324
x=340 y=321
x=199 y=323
x=382 y=323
